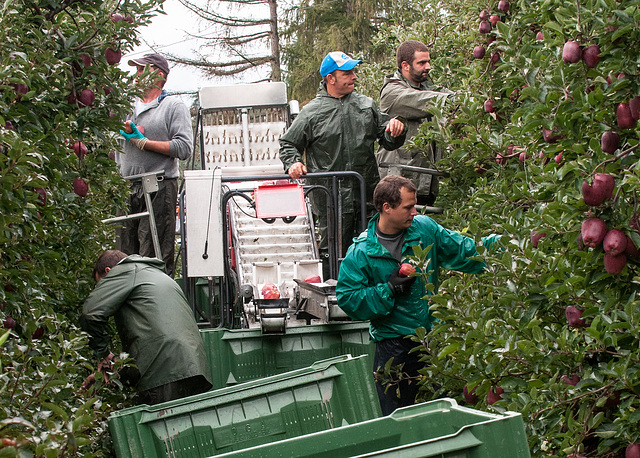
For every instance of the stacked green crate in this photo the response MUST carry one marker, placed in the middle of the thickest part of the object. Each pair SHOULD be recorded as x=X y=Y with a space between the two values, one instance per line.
x=329 y=394
x=438 y=428
x=237 y=356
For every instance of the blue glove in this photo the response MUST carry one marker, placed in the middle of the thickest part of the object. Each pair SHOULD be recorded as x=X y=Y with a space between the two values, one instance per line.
x=135 y=137
x=135 y=134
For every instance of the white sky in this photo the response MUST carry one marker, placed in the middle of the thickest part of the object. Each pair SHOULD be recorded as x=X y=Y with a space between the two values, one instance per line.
x=166 y=34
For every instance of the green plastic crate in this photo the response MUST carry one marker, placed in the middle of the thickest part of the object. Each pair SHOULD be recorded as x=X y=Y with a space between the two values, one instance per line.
x=329 y=394
x=241 y=355
x=438 y=428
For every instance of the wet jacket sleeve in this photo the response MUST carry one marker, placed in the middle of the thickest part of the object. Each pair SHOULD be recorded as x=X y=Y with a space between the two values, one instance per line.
x=294 y=141
x=384 y=138
x=408 y=102
x=454 y=251
x=361 y=292
x=105 y=301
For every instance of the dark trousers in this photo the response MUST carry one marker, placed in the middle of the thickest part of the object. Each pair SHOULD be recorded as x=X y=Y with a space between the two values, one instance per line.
x=398 y=349
x=174 y=390
x=135 y=236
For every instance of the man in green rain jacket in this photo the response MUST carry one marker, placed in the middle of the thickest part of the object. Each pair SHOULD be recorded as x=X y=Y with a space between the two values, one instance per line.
x=337 y=131
x=408 y=93
x=155 y=324
x=370 y=286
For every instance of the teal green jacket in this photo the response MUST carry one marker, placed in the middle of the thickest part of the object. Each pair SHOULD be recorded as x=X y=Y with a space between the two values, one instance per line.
x=362 y=290
x=152 y=317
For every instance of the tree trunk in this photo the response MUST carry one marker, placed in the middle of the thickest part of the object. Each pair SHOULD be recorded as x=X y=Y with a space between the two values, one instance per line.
x=275 y=42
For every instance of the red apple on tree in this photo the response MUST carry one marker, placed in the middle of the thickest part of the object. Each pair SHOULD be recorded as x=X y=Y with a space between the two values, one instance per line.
x=484 y=15
x=494 y=395
x=571 y=52
x=591 y=56
x=573 y=380
x=470 y=397
x=593 y=232
x=503 y=5
x=80 y=149
x=485 y=27
x=634 y=107
x=615 y=242
x=574 y=317
x=87 y=97
x=535 y=237
x=614 y=264
x=488 y=106
x=610 y=142
x=478 y=52
x=540 y=36
x=600 y=190
x=494 y=19
x=632 y=451
x=113 y=56
x=625 y=120
x=80 y=187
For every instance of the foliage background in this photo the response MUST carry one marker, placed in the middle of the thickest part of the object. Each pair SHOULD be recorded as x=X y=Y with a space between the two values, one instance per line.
x=507 y=328
x=49 y=235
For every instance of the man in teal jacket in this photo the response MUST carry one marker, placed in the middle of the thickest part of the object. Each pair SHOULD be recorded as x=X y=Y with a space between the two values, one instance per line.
x=370 y=286
x=155 y=324
x=337 y=131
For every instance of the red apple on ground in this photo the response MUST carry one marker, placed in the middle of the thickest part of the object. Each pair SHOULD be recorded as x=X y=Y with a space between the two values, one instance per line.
x=614 y=264
x=571 y=52
x=270 y=291
x=80 y=187
x=313 y=279
x=615 y=242
x=574 y=319
x=535 y=237
x=494 y=395
x=406 y=269
x=591 y=56
x=478 y=52
x=623 y=113
x=610 y=142
x=470 y=397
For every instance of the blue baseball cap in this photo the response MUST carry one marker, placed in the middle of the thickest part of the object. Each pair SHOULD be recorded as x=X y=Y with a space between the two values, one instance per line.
x=337 y=60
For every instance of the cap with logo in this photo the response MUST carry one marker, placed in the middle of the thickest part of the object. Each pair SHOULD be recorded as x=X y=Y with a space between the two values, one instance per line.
x=152 y=59
x=337 y=60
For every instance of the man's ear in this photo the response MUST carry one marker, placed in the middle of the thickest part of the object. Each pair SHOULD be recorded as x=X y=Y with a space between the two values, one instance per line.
x=386 y=207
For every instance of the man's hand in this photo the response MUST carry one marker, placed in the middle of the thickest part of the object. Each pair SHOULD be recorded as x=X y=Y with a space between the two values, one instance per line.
x=136 y=137
x=395 y=127
x=105 y=365
x=296 y=170
x=400 y=286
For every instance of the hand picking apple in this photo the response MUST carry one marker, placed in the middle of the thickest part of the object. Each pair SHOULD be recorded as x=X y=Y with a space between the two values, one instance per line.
x=136 y=137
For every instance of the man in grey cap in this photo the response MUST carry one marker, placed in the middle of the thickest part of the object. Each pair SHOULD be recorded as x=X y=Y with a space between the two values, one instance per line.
x=337 y=131
x=156 y=136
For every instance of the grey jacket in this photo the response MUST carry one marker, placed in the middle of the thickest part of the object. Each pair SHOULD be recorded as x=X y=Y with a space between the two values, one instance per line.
x=154 y=321
x=167 y=118
x=399 y=97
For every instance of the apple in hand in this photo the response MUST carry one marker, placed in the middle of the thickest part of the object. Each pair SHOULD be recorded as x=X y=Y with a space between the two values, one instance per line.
x=406 y=269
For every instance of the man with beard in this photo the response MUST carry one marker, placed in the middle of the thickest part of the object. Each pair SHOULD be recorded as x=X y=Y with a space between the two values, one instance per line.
x=408 y=94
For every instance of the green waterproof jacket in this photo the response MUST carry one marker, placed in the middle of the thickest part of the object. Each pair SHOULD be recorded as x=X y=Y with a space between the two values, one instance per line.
x=398 y=97
x=153 y=319
x=362 y=290
x=339 y=134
